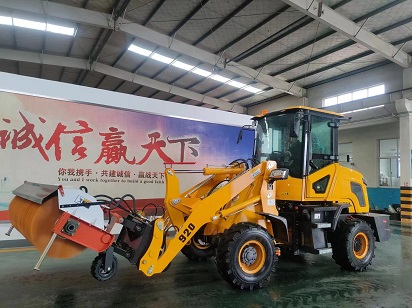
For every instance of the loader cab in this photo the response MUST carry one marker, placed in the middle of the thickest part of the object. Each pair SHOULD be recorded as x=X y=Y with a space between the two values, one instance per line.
x=302 y=139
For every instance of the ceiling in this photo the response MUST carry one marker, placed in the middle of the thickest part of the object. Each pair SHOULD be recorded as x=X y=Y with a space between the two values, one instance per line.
x=265 y=44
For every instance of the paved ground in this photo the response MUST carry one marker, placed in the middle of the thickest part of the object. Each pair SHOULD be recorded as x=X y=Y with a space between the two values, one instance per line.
x=305 y=281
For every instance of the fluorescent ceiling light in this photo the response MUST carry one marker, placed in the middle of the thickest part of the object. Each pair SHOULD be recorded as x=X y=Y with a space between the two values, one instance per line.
x=379 y=106
x=362 y=109
x=220 y=78
x=139 y=50
x=24 y=23
x=252 y=89
x=193 y=69
x=183 y=66
x=201 y=72
x=4 y=20
x=357 y=110
x=161 y=58
x=60 y=29
x=236 y=84
x=35 y=25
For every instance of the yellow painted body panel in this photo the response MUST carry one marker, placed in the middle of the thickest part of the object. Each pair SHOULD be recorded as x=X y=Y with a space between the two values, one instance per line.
x=290 y=189
x=338 y=189
x=230 y=195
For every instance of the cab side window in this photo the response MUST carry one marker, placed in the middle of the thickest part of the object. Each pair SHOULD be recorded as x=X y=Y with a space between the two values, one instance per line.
x=320 y=145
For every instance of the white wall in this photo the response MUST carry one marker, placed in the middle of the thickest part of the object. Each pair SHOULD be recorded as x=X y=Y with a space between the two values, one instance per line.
x=365 y=142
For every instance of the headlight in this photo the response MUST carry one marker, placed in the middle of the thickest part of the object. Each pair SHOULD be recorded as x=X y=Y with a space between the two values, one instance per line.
x=279 y=173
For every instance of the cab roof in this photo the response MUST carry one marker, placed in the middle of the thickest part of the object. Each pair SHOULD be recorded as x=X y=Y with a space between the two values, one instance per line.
x=296 y=108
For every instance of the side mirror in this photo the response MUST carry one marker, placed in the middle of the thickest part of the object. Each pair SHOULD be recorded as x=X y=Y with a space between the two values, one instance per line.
x=240 y=135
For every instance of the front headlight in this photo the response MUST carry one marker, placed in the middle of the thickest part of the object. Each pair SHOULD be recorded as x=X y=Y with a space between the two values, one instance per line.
x=278 y=174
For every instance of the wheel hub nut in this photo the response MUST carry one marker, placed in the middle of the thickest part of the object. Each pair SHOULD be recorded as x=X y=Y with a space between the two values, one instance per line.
x=249 y=255
x=357 y=245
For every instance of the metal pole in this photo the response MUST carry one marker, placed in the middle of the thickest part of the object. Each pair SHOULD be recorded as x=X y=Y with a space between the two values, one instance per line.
x=46 y=250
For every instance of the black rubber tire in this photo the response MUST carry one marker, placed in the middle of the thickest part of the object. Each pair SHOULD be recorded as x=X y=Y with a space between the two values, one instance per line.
x=353 y=245
x=196 y=250
x=232 y=249
x=97 y=268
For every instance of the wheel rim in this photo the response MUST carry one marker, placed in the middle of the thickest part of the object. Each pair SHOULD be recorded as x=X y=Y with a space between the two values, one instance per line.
x=199 y=244
x=252 y=256
x=199 y=241
x=103 y=273
x=360 y=245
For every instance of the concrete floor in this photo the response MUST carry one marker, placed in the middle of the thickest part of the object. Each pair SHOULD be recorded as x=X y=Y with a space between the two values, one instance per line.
x=305 y=281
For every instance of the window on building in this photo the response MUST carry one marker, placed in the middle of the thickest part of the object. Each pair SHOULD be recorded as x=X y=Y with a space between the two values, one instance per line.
x=344 y=98
x=360 y=94
x=389 y=163
x=353 y=96
x=378 y=90
x=330 y=101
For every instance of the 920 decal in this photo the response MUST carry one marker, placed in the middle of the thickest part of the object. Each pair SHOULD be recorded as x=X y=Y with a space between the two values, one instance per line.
x=186 y=232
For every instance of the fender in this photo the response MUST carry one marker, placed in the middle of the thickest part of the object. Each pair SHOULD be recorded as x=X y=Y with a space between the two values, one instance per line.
x=279 y=225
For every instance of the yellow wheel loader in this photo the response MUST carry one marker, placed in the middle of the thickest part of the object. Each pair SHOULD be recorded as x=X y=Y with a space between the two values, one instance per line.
x=291 y=196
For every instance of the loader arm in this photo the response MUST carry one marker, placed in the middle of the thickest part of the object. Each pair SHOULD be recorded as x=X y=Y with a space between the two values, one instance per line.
x=200 y=210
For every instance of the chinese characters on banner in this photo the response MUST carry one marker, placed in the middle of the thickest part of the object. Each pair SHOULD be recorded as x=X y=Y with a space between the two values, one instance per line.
x=108 y=150
x=113 y=149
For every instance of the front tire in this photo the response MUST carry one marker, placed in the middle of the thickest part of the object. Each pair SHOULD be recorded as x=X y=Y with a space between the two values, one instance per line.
x=353 y=245
x=98 y=271
x=245 y=256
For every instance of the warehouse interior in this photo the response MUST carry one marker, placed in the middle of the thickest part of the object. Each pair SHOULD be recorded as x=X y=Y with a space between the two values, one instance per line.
x=220 y=62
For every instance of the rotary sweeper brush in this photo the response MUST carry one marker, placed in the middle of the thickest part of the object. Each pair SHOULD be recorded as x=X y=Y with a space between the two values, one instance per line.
x=59 y=222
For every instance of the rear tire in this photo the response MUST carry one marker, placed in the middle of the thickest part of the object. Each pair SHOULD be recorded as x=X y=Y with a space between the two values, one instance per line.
x=353 y=245
x=245 y=256
x=199 y=247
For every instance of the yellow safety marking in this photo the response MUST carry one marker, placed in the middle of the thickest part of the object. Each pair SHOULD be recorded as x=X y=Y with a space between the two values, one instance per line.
x=4 y=250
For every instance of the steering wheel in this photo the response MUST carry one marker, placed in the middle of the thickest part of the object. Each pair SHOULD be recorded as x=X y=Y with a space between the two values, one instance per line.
x=276 y=155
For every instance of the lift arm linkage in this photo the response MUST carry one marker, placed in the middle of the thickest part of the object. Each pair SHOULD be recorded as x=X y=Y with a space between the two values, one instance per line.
x=203 y=209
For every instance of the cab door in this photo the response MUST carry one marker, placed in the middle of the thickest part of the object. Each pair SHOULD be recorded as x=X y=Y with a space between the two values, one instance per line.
x=321 y=164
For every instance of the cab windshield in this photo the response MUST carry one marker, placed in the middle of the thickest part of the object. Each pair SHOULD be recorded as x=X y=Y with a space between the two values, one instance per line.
x=279 y=138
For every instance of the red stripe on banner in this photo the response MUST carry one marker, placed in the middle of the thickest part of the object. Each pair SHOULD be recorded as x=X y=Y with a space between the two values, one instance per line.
x=4 y=215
